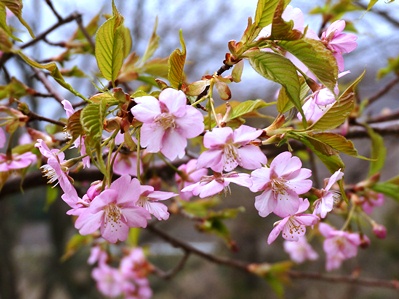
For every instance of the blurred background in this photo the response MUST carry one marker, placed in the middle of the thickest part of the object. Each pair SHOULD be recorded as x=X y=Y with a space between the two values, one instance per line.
x=33 y=235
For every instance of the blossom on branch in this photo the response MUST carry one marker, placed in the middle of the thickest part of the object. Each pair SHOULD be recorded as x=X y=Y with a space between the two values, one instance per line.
x=300 y=250
x=167 y=122
x=338 y=245
x=114 y=211
x=213 y=184
x=188 y=174
x=281 y=184
x=325 y=202
x=338 y=42
x=15 y=161
x=293 y=227
x=228 y=148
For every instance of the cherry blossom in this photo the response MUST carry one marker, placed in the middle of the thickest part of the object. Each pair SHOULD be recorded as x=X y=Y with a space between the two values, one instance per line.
x=228 y=148
x=167 y=122
x=325 y=202
x=16 y=161
x=55 y=170
x=211 y=185
x=371 y=199
x=149 y=201
x=338 y=245
x=338 y=42
x=281 y=183
x=126 y=163
x=300 y=250
x=2 y=138
x=109 y=280
x=114 y=211
x=188 y=174
x=293 y=226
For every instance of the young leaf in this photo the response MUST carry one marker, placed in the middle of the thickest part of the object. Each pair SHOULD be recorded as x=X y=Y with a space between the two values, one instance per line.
x=341 y=109
x=4 y=26
x=388 y=189
x=325 y=152
x=378 y=151
x=316 y=57
x=265 y=12
x=176 y=65
x=54 y=72
x=152 y=44
x=113 y=43
x=337 y=142
x=74 y=126
x=279 y=69
x=91 y=118
x=282 y=30
x=15 y=6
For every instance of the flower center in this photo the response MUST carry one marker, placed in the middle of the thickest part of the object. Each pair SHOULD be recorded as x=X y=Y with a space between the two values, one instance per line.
x=166 y=120
x=294 y=227
x=113 y=214
x=279 y=185
x=231 y=154
x=50 y=174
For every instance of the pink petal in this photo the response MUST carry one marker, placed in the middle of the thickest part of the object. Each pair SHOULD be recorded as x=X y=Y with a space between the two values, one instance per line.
x=175 y=100
x=251 y=157
x=151 y=137
x=147 y=109
x=212 y=159
x=265 y=203
x=244 y=134
x=218 y=137
x=192 y=124
x=173 y=145
x=260 y=179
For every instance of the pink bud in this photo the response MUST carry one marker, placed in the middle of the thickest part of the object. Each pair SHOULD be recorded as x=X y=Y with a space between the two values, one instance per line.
x=379 y=230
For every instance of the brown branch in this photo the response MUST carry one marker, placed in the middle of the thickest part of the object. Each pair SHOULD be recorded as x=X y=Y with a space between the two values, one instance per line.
x=61 y=22
x=40 y=75
x=50 y=4
x=383 y=91
x=34 y=116
x=170 y=274
x=364 y=282
x=85 y=33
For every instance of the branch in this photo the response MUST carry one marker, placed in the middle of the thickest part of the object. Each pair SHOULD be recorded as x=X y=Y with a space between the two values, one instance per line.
x=383 y=91
x=40 y=75
x=34 y=116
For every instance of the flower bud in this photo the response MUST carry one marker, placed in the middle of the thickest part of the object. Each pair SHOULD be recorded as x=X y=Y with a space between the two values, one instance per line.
x=379 y=230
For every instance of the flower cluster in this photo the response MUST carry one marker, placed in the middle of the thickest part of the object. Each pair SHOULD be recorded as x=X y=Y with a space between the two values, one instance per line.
x=128 y=280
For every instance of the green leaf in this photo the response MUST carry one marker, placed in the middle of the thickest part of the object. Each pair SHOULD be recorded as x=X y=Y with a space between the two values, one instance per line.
x=74 y=126
x=54 y=72
x=176 y=65
x=112 y=43
x=245 y=108
x=315 y=55
x=91 y=118
x=371 y=4
x=325 y=152
x=265 y=12
x=340 y=111
x=279 y=69
x=3 y=25
x=388 y=189
x=152 y=44
x=378 y=151
x=15 y=6
x=74 y=244
x=337 y=142
x=282 y=30
x=14 y=89
x=283 y=101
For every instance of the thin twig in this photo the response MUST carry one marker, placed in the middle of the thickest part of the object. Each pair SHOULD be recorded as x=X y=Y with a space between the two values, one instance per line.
x=34 y=116
x=40 y=75
x=170 y=274
x=50 y=4
x=61 y=22
x=383 y=91
x=85 y=33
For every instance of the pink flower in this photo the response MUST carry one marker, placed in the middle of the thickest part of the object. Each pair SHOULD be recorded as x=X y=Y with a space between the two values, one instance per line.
x=55 y=170
x=339 y=42
x=293 y=226
x=211 y=185
x=114 y=211
x=338 y=245
x=126 y=163
x=188 y=175
x=370 y=200
x=109 y=280
x=2 y=138
x=149 y=201
x=15 y=161
x=167 y=122
x=300 y=251
x=228 y=149
x=325 y=202
x=97 y=255
x=281 y=184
